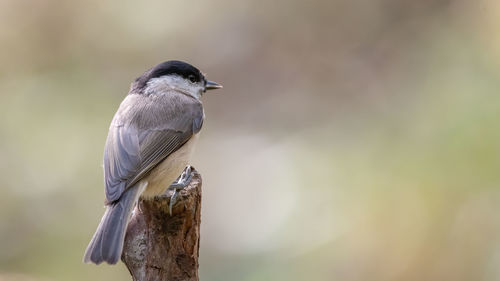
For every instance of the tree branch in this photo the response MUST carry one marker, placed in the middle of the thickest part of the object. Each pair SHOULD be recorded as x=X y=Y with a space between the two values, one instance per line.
x=161 y=247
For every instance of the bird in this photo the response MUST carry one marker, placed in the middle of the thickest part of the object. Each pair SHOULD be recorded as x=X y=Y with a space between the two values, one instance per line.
x=150 y=141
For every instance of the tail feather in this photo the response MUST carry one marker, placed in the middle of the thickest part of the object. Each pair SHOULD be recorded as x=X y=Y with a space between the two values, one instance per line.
x=107 y=242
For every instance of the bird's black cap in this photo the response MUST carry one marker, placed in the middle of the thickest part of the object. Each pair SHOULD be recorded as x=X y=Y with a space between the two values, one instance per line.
x=180 y=68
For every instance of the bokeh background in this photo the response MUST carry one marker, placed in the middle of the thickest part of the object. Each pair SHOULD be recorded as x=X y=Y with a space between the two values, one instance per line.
x=353 y=140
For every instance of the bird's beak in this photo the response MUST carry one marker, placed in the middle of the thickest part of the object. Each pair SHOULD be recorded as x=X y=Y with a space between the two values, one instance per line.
x=211 y=85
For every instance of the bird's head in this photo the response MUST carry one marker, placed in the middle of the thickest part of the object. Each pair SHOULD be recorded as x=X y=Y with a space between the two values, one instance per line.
x=174 y=75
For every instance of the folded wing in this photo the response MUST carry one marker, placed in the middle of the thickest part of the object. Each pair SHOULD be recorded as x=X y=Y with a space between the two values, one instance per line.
x=140 y=139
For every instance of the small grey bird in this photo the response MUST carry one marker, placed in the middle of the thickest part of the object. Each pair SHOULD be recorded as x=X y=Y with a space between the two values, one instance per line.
x=149 y=144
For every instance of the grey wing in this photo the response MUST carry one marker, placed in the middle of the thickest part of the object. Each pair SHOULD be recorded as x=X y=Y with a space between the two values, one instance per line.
x=131 y=152
x=121 y=159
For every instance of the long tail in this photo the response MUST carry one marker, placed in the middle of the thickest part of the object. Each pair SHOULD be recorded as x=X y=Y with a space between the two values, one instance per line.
x=107 y=242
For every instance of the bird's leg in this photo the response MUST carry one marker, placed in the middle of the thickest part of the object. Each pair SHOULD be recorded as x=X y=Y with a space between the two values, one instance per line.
x=182 y=181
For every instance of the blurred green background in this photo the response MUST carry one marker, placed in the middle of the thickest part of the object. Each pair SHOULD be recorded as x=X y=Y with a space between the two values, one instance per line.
x=353 y=140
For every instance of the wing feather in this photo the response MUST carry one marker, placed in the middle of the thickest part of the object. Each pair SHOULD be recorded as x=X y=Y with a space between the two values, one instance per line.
x=144 y=133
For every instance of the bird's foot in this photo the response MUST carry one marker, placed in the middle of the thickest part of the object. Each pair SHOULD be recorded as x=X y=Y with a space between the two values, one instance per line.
x=182 y=181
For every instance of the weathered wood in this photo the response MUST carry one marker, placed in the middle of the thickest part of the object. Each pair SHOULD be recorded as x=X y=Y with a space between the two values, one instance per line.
x=161 y=247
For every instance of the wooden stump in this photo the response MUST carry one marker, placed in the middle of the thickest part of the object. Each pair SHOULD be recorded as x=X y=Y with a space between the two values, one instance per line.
x=163 y=247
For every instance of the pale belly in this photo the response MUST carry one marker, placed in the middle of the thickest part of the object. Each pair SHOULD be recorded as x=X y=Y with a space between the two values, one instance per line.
x=169 y=169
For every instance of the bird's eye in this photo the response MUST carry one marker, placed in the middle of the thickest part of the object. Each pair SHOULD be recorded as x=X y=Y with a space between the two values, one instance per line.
x=192 y=78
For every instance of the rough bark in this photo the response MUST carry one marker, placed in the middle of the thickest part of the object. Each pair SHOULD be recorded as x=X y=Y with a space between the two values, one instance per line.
x=163 y=247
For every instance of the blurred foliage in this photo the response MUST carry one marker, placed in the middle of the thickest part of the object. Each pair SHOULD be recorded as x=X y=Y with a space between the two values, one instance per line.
x=353 y=140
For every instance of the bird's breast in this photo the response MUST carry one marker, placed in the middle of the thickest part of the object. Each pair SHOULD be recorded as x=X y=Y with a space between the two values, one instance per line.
x=163 y=175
